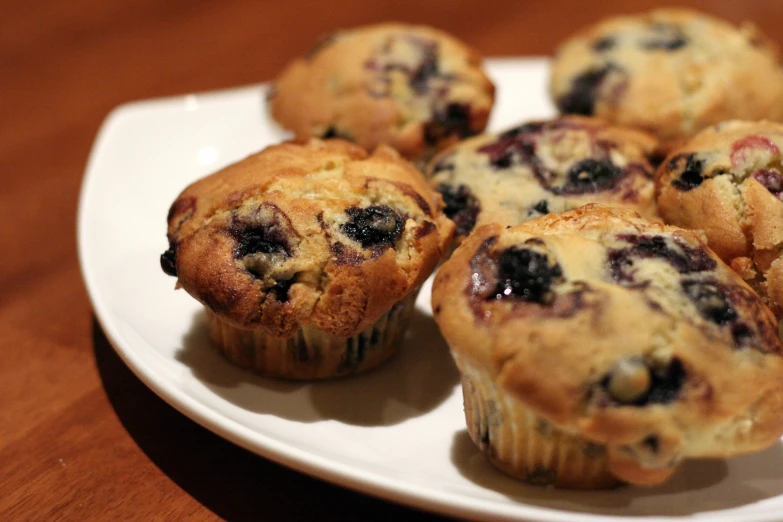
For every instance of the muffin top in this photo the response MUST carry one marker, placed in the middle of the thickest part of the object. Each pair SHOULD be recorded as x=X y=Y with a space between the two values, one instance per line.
x=542 y=167
x=626 y=332
x=669 y=71
x=415 y=88
x=728 y=182
x=319 y=233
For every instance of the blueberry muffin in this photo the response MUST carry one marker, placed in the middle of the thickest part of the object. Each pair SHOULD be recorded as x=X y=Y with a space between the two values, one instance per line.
x=543 y=167
x=728 y=182
x=415 y=88
x=308 y=257
x=672 y=72
x=596 y=347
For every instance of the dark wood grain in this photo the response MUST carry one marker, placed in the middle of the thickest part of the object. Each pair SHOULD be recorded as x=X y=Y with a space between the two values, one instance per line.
x=81 y=438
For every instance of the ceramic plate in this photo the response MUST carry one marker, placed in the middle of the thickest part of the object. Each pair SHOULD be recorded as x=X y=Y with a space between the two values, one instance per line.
x=398 y=432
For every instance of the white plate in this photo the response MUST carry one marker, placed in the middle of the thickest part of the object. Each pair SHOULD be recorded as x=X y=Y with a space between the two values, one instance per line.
x=397 y=432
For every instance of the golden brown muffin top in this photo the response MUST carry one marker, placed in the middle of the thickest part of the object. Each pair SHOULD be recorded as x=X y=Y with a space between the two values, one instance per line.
x=413 y=87
x=670 y=71
x=545 y=166
x=728 y=182
x=320 y=233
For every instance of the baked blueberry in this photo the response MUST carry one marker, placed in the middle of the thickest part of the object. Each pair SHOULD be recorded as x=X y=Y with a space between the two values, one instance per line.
x=452 y=120
x=427 y=68
x=542 y=207
x=500 y=153
x=168 y=261
x=527 y=275
x=462 y=207
x=264 y=239
x=591 y=175
x=582 y=97
x=666 y=384
x=683 y=258
x=390 y=59
x=376 y=225
x=638 y=383
x=771 y=179
x=691 y=170
x=519 y=142
x=710 y=300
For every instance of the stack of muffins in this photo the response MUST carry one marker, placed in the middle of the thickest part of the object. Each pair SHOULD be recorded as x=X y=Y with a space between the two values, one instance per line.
x=597 y=344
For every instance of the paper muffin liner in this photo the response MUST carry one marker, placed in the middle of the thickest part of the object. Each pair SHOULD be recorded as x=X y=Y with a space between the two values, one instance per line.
x=313 y=353
x=523 y=444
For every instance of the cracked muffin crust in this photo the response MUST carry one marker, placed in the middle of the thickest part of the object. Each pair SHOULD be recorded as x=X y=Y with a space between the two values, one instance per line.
x=671 y=72
x=415 y=88
x=301 y=246
x=542 y=167
x=598 y=347
x=728 y=182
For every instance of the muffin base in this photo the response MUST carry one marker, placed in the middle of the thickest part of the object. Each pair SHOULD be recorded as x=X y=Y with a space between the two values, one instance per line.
x=523 y=444
x=313 y=353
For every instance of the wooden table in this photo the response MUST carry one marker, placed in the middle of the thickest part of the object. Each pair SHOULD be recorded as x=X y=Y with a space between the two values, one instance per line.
x=81 y=438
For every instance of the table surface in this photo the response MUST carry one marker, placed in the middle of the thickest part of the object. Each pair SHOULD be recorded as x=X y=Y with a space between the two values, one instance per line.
x=81 y=438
